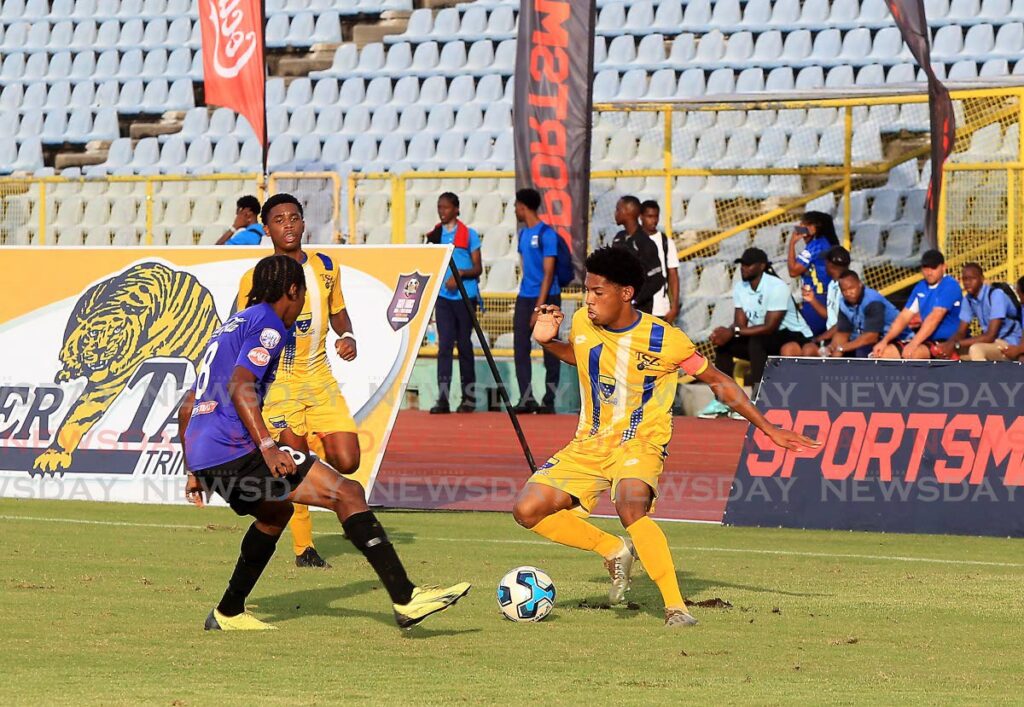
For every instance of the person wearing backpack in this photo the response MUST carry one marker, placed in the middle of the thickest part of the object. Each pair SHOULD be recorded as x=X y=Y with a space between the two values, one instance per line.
x=546 y=267
x=995 y=306
x=454 y=325
x=666 y=300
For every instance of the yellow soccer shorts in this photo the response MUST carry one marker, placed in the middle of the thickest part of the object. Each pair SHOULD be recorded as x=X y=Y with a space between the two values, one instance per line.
x=314 y=406
x=585 y=473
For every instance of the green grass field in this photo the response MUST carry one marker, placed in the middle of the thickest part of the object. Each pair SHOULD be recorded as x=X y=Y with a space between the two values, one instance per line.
x=104 y=603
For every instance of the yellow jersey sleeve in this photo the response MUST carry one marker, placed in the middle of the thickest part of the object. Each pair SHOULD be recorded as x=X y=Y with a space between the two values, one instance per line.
x=336 y=300
x=683 y=353
x=244 y=286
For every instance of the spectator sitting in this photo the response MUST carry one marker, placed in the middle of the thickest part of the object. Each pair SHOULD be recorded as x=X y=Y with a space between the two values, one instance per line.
x=454 y=323
x=633 y=237
x=767 y=323
x=837 y=261
x=247 y=229
x=936 y=300
x=997 y=314
x=817 y=232
x=538 y=253
x=666 y=300
x=864 y=316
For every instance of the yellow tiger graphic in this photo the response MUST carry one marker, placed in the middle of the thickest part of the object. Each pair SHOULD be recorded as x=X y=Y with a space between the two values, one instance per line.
x=147 y=311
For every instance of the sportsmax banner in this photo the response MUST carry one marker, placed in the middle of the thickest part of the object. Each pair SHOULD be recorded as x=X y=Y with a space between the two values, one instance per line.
x=907 y=446
x=101 y=344
x=552 y=111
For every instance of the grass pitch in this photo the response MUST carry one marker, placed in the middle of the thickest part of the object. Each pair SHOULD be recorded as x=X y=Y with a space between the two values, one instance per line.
x=104 y=603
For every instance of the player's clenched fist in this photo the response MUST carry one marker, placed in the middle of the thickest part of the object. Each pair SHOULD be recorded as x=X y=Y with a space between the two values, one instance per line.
x=346 y=348
x=549 y=319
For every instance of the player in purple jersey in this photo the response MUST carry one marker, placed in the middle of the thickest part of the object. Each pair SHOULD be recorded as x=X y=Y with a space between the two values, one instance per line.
x=228 y=450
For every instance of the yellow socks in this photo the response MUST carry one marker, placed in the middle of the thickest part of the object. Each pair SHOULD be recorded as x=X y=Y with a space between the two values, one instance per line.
x=652 y=547
x=302 y=529
x=568 y=529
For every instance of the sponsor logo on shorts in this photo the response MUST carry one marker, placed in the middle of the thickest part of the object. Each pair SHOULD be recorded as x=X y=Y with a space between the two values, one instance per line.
x=259 y=356
x=270 y=337
x=631 y=462
x=278 y=423
x=205 y=407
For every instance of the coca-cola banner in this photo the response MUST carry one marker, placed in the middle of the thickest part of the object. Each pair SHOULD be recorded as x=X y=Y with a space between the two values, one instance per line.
x=553 y=98
x=233 y=68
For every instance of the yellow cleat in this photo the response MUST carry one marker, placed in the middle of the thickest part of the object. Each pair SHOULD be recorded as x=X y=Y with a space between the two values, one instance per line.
x=427 y=601
x=245 y=621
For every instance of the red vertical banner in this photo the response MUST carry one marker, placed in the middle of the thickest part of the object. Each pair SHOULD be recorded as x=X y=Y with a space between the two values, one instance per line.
x=552 y=113
x=234 y=74
x=910 y=18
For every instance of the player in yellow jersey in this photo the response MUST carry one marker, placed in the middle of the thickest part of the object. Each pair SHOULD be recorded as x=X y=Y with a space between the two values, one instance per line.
x=628 y=365
x=304 y=406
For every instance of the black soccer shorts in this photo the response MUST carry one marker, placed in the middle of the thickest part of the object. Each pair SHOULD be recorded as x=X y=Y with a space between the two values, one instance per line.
x=247 y=482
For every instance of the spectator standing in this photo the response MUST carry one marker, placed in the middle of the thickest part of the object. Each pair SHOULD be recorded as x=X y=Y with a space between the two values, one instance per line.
x=864 y=316
x=633 y=237
x=936 y=300
x=666 y=300
x=766 y=323
x=247 y=229
x=454 y=324
x=837 y=261
x=998 y=315
x=816 y=233
x=538 y=253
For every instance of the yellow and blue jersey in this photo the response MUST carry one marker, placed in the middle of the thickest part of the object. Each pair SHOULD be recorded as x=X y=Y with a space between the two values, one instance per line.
x=628 y=380
x=305 y=355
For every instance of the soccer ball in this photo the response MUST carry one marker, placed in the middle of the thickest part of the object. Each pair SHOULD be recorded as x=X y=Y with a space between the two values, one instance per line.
x=526 y=594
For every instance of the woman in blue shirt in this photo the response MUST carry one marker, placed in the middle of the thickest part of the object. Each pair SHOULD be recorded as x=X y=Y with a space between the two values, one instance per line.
x=817 y=234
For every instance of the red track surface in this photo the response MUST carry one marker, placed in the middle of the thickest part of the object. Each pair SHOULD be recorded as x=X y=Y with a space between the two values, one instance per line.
x=474 y=462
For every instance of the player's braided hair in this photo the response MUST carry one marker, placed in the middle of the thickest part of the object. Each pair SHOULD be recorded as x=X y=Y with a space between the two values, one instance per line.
x=273 y=277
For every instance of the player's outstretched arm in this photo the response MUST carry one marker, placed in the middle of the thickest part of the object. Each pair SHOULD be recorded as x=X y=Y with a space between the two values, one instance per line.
x=730 y=393
x=549 y=319
x=245 y=398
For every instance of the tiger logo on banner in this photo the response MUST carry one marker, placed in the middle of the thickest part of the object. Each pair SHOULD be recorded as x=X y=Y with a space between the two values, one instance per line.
x=101 y=345
x=147 y=311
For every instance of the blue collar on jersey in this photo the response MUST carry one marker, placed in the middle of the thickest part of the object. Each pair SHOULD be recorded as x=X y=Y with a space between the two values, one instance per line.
x=639 y=316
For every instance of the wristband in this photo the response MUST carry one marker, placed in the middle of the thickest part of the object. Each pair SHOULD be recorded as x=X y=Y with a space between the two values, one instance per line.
x=266 y=443
x=735 y=331
x=348 y=335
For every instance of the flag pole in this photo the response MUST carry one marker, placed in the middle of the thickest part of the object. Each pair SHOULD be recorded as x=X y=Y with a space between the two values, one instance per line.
x=502 y=392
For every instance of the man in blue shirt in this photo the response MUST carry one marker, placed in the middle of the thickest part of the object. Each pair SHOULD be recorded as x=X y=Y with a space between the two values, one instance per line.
x=247 y=229
x=454 y=324
x=864 y=316
x=766 y=323
x=837 y=261
x=538 y=253
x=228 y=450
x=997 y=315
x=936 y=301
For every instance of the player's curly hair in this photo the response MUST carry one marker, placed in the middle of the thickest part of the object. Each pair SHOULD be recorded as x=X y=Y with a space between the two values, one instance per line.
x=619 y=265
x=273 y=277
x=277 y=200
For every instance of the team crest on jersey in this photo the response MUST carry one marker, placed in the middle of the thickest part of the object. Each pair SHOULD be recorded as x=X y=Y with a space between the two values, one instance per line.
x=270 y=337
x=606 y=388
x=406 y=302
x=304 y=322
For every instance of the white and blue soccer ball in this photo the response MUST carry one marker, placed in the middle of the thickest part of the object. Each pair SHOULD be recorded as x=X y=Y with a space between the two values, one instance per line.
x=526 y=594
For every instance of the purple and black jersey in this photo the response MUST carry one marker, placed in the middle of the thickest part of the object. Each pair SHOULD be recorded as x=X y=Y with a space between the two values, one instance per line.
x=254 y=339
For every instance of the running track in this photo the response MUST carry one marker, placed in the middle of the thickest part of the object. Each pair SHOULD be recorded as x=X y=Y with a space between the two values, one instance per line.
x=474 y=462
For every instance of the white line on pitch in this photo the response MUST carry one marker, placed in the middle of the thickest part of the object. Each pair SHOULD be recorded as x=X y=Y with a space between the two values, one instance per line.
x=500 y=541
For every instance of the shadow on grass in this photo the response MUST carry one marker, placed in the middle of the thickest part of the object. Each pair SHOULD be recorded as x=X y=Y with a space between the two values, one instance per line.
x=285 y=607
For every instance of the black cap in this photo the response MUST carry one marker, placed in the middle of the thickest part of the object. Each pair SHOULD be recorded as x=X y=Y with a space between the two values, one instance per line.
x=932 y=259
x=838 y=255
x=752 y=256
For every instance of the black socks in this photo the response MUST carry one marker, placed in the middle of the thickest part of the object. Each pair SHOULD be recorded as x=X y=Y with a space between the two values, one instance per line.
x=257 y=549
x=369 y=537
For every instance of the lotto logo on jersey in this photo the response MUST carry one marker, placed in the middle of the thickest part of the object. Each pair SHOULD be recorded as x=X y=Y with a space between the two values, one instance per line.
x=270 y=338
x=259 y=356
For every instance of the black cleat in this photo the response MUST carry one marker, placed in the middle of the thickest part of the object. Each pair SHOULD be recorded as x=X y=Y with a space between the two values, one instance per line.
x=311 y=558
x=440 y=409
x=526 y=407
x=466 y=406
